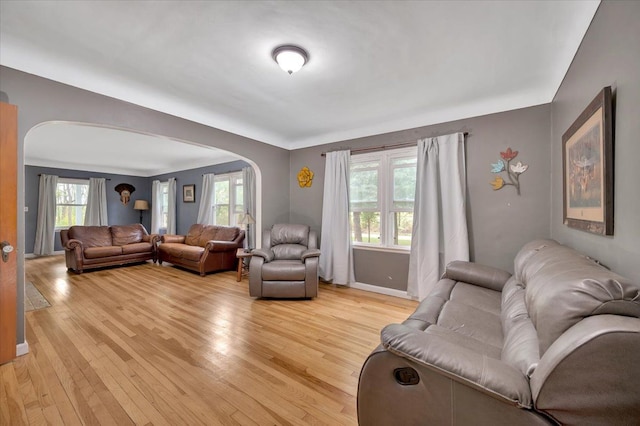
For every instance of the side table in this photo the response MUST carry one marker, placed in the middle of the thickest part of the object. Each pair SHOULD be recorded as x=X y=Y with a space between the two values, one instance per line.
x=242 y=255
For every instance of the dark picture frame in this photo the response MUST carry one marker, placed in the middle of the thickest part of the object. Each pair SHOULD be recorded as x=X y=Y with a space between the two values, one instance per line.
x=189 y=193
x=587 y=166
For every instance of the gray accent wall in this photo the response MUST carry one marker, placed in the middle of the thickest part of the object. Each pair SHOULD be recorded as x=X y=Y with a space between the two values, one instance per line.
x=117 y=213
x=187 y=213
x=608 y=56
x=500 y=222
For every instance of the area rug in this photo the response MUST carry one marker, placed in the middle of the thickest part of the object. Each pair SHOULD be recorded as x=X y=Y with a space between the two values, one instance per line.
x=33 y=299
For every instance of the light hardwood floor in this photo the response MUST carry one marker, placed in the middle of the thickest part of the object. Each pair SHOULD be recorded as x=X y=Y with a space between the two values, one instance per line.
x=151 y=344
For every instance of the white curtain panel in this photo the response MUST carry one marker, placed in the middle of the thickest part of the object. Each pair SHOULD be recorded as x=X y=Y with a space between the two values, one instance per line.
x=336 y=258
x=156 y=207
x=249 y=200
x=439 y=218
x=171 y=208
x=207 y=200
x=46 y=224
x=96 y=213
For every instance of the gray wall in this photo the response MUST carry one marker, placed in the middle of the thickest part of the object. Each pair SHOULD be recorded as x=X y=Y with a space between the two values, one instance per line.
x=187 y=213
x=40 y=100
x=500 y=222
x=118 y=213
x=608 y=56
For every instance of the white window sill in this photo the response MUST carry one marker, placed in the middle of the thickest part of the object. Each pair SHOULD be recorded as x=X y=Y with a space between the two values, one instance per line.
x=382 y=249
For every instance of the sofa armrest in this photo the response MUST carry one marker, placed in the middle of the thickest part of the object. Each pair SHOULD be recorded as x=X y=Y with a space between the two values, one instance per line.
x=310 y=253
x=217 y=246
x=267 y=254
x=476 y=274
x=463 y=365
x=151 y=238
x=168 y=238
x=238 y=241
x=74 y=245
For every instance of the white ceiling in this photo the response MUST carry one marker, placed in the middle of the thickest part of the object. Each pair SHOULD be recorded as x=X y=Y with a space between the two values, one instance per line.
x=375 y=66
x=80 y=146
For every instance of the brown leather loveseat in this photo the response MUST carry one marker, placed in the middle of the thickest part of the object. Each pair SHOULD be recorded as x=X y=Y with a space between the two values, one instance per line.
x=88 y=247
x=557 y=342
x=205 y=248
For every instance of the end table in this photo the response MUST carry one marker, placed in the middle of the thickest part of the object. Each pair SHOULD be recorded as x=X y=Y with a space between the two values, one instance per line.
x=242 y=255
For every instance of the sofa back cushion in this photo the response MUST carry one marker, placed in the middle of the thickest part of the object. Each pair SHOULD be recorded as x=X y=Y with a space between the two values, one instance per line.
x=288 y=241
x=564 y=286
x=198 y=234
x=520 y=346
x=91 y=236
x=226 y=233
x=289 y=234
x=127 y=234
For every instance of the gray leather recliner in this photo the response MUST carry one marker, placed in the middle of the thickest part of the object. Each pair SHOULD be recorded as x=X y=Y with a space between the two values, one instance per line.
x=287 y=264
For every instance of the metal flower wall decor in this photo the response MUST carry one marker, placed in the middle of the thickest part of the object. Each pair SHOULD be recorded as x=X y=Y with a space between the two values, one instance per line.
x=513 y=170
x=305 y=177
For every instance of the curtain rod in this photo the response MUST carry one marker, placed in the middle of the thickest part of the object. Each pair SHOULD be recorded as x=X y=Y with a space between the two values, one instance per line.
x=385 y=147
x=225 y=173
x=72 y=177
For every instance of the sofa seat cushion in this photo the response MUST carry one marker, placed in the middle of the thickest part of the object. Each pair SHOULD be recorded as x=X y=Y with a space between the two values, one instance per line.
x=98 y=252
x=182 y=251
x=137 y=248
x=91 y=236
x=472 y=322
x=480 y=298
x=470 y=311
x=127 y=234
x=283 y=270
x=476 y=345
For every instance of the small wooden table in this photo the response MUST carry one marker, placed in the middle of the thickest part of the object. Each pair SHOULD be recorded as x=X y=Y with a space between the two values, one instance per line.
x=242 y=255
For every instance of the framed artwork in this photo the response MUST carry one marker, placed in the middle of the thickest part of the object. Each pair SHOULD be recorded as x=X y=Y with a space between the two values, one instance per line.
x=188 y=193
x=587 y=165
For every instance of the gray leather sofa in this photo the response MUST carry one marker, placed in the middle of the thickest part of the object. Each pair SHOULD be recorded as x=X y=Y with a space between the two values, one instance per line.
x=287 y=264
x=556 y=343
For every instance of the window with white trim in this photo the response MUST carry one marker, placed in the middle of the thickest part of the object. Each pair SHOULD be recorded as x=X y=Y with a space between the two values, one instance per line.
x=71 y=202
x=164 y=205
x=382 y=191
x=229 y=198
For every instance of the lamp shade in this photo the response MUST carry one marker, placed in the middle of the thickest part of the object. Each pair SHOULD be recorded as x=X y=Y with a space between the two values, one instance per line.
x=247 y=220
x=290 y=58
x=141 y=205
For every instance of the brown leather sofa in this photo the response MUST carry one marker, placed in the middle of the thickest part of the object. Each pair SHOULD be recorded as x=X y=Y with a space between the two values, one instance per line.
x=556 y=343
x=205 y=248
x=88 y=247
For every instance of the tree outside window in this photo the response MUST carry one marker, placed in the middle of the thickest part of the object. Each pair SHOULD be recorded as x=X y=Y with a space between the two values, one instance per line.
x=229 y=199
x=71 y=202
x=382 y=191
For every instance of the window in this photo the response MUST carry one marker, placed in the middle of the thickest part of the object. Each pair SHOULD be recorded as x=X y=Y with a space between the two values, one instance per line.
x=382 y=191
x=229 y=198
x=164 y=205
x=71 y=202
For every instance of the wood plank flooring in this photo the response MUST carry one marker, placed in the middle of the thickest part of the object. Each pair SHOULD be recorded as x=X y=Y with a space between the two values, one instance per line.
x=150 y=344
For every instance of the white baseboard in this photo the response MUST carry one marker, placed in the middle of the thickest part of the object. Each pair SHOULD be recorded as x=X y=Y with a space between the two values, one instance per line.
x=381 y=290
x=32 y=256
x=22 y=348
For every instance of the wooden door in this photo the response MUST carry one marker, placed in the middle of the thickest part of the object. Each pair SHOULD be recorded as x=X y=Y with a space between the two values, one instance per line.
x=8 y=229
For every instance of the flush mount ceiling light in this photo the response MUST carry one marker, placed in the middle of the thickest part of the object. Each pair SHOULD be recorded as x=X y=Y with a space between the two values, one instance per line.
x=290 y=58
